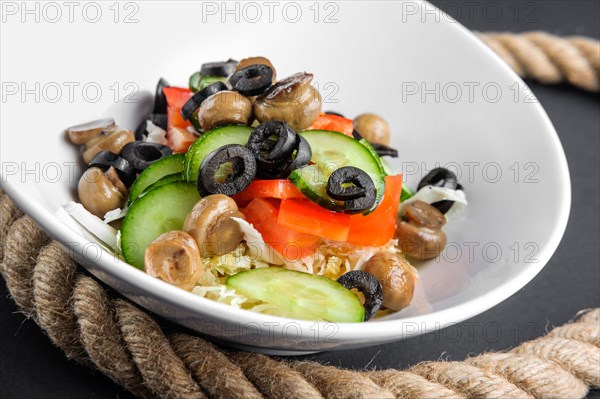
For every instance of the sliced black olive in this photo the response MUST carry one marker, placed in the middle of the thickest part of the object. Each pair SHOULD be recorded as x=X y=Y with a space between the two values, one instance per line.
x=272 y=169
x=272 y=141
x=160 y=120
x=368 y=285
x=384 y=151
x=347 y=183
x=223 y=68
x=105 y=159
x=252 y=80
x=227 y=170
x=127 y=173
x=160 y=100
x=439 y=177
x=192 y=105
x=141 y=131
x=381 y=149
x=353 y=186
x=141 y=154
x=334 y=113
x=356 y=135
x=303 y=154
x=445 y=205
x=273 y=144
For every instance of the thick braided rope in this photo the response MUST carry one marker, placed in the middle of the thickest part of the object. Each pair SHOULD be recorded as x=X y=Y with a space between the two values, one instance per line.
x=548 y=58
x=127 y=345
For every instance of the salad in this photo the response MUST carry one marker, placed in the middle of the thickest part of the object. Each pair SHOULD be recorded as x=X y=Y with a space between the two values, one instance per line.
x=240 y=189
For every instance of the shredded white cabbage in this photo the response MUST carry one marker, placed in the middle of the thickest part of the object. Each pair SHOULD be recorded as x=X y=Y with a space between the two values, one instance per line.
x=431 y=194
x=220 y=293
x=156 y=134
x=93 y=224
x=334 y=258
x=115 y=214
x=211 y=283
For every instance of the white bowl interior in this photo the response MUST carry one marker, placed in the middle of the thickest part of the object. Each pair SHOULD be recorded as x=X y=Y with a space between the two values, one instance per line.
x=388 y=59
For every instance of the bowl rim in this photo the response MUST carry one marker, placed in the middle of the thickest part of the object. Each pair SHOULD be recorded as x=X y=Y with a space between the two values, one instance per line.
x=379 y=329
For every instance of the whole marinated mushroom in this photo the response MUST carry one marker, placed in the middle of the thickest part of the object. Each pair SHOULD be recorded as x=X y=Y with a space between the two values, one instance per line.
x=175 y=258
x=210 y=223
x=99 y=135
x=396 y=277
x=81 y=134
x=100 y=192
x=256 y=61
x=292 y=100
x=419 y=231
x=224 y=108
x=112 y=140
x=373 y=128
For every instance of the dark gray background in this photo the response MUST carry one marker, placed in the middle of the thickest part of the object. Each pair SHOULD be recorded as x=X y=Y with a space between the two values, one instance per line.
x=30 y=367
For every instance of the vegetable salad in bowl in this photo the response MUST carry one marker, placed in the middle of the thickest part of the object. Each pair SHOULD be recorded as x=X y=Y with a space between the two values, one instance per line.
x=240 y=189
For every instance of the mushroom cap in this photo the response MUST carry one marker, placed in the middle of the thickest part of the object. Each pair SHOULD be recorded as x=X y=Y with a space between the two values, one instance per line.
x=113 y=142
x=256 y=60
x=210 y=223
x=81 y=134
x=98 y=193
x=292 y=100
x=373 y=128
x=396 y=277
x=224 y=108
x=420 y=242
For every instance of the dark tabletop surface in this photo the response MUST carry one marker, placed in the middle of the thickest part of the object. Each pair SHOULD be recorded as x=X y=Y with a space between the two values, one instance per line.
x=30 y=367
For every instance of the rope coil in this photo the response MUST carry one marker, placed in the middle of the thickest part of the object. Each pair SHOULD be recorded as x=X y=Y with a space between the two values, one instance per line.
x=548 y=58
x=127 y=345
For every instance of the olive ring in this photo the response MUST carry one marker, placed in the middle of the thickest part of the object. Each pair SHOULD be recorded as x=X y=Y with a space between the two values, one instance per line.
x=106 y=159
x=142 y=154
x=368 y=285
x=243 y=171
x=192 y=105
x=252 y=80
x=353 y=186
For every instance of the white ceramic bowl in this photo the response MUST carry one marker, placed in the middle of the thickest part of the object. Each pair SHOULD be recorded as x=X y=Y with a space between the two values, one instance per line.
x=448 y=98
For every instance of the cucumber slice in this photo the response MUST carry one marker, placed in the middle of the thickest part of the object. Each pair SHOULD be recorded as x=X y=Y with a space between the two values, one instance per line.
x=210 y=141
x=159 y=169
x=198 y=82
x=331 y=151
x=164 y=180
x=158 y=211
x=301 y=295
x=375 y=155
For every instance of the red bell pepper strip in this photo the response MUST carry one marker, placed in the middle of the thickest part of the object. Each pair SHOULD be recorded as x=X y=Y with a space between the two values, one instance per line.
x=305 y=216
x=332 y=122
x=291 y=244
x=178 y=137
x=378 y=227
x=278 y=188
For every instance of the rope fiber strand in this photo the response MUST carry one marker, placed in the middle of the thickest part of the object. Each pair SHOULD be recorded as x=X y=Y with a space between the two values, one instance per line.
x=126 y=344
x=548 y=58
